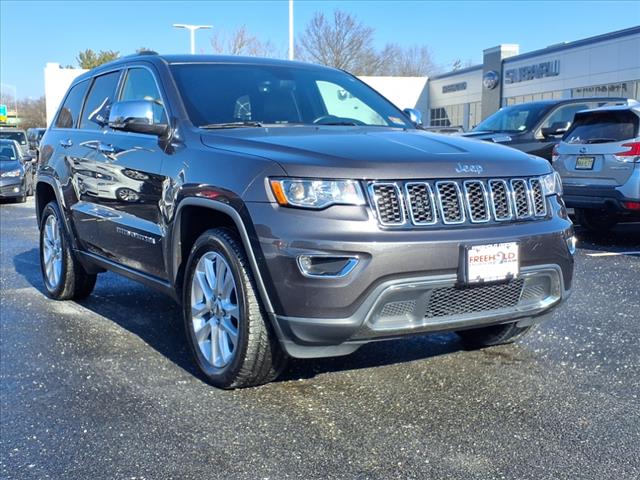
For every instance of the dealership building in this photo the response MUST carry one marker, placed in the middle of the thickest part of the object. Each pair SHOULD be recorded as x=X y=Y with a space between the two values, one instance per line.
x=604 y=65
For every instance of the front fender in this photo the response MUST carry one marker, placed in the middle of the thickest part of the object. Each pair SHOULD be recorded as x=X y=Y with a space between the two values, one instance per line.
x=245 y=231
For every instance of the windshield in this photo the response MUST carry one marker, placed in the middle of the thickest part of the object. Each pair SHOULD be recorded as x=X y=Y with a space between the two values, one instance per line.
x=233 y=94
x=517 y=118
x=603 y=127
x=8 y=150
x=20 y=137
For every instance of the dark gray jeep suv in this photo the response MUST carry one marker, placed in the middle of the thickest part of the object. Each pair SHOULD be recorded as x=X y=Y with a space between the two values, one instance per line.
x=292 y=211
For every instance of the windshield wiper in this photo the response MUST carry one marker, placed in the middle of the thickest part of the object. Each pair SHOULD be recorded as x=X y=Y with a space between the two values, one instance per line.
x=231 y=125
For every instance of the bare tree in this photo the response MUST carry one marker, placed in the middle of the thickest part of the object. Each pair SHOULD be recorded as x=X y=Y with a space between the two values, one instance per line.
x=458 y=64
x=414 y=61
x=343 y=42
x=32 y=113
x=340 y=42
x=241 y=42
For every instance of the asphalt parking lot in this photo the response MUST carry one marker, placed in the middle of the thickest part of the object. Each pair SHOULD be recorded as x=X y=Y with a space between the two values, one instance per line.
x=106 y=389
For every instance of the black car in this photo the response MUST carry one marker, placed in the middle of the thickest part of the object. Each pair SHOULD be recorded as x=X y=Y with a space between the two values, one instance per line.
x=16 y=172
x=292 y=211
x=535 y=127
x=17 y=134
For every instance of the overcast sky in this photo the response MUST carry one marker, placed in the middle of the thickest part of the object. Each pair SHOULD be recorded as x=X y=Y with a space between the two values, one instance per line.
x=33 y=33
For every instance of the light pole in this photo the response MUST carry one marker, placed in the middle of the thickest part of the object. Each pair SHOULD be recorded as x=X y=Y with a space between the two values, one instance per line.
x=290 y=29
x=192 y=29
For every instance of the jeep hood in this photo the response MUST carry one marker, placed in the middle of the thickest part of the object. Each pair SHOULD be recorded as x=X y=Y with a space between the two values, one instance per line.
x=375 y=153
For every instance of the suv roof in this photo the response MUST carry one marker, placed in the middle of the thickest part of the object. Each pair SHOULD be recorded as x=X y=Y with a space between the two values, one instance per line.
x=631 y=105
x=187 y=58
x=573 y=100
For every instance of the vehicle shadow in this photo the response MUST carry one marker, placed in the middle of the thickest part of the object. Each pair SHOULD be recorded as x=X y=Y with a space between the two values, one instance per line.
x=623 y=236
x=153 y=317
x=156 y=320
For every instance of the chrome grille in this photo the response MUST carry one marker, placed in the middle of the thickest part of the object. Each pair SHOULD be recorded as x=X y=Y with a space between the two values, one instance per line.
x=500 y=203
x=477 y=201
x=421 y=203
x=453 y=202
x=537 y=197
x=447 y=301
x=388 y=203
x=450 y=202
x=521 y=200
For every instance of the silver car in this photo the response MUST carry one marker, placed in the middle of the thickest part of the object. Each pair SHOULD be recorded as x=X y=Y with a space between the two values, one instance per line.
x=599 y=162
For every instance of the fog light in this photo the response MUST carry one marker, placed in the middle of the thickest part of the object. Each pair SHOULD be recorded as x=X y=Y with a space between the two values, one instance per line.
x=326 y=266
x=571 y=244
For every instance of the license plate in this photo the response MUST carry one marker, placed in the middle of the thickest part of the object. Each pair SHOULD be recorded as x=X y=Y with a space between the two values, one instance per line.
x=491 y=263
x=585 y=163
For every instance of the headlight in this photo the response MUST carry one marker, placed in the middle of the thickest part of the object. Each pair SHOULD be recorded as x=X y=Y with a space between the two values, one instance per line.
x=551 y=184
x=308 y=193
x=12 y=173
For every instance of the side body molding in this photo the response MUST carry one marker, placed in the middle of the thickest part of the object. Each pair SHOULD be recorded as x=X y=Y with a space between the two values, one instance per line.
x=244 y=236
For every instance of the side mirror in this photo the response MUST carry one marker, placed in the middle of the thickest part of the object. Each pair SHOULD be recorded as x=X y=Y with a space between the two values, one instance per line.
x=414 y=115
x=135 y=116
x=555 y=129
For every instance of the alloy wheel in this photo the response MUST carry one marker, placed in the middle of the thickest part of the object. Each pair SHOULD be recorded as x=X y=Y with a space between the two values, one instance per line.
x=52 y=252
x=215 y=314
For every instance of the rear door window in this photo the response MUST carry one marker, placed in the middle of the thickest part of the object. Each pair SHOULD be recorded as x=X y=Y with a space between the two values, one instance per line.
x=95 y=113
x=603 y=127
x=70 y=111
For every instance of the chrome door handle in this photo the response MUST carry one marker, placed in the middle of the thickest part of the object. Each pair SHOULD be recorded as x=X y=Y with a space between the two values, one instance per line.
x=104 y=148
x=66 y=143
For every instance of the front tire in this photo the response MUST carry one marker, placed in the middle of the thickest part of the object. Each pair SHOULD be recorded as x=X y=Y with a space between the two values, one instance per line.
x=493 y=335
x=64 y=278
x=230 y=337
x=597 y=221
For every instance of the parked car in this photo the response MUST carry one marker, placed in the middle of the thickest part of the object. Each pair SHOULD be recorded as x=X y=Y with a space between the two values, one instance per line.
x=16 y=172
x=293 y=211
x=599 y=162
x=17 y=134
x=535 y=127
x=34 y=135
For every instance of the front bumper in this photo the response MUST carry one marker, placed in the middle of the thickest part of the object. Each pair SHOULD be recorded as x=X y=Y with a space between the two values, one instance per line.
x=428 y=304
x=12 y=187
x=398 y=270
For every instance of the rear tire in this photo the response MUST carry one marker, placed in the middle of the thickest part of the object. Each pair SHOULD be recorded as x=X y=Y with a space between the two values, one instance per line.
x=493 y=335
x=63 y=276
x=597 y=221
x=228 y=331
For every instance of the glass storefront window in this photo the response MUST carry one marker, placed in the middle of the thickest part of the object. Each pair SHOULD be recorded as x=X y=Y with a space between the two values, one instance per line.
x=450 y=115
x=518 y=99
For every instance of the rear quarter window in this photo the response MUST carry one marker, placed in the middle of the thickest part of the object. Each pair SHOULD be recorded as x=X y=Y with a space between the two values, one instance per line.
x=612 y=126
x=68 y=114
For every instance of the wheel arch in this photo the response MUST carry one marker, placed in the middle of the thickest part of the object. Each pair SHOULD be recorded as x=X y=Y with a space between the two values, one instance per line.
x=219 y=214
x=47 y=190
